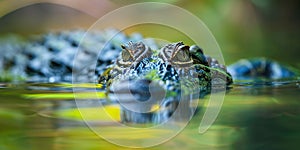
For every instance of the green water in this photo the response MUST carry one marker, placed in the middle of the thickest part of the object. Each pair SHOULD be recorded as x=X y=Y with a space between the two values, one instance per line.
x=253 y=116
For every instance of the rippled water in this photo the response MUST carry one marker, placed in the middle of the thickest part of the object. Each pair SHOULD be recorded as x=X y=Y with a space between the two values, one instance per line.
x=261 y=115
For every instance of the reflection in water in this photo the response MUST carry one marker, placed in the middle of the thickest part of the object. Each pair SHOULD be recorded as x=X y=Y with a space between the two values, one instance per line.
x=252 y=117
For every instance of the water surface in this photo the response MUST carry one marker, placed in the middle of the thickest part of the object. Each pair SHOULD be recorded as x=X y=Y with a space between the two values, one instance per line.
x=262 y=115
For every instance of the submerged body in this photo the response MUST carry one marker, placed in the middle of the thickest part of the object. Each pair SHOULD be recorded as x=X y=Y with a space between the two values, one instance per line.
x=256 y=68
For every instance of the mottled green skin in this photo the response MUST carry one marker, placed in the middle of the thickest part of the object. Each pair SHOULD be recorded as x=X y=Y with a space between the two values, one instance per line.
x=175 y=66
x=141 y=78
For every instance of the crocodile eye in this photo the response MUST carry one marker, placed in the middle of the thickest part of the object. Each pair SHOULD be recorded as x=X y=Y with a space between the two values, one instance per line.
x=132 y=54
x=182 y=56
x=176 y=54
x=135 y=52
x=126 y=56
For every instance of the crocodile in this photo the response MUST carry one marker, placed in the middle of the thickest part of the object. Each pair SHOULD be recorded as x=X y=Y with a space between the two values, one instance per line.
x=169 y=64
x=177 y=68
x=126 y=65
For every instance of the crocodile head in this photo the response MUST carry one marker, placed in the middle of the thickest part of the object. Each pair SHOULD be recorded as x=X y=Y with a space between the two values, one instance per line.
x=151 y=77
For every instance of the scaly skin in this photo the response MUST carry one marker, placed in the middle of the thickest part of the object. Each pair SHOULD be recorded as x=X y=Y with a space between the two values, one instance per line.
x=170 y=64
x=50 y=57
x=139 y=74
x=175 y=68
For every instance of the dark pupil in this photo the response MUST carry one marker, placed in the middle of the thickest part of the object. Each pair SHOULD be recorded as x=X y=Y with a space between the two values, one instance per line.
x=126 y=56
x=182 y=56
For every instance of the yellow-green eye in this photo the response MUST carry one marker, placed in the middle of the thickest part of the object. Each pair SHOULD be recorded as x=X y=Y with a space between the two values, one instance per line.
x=126 y=56
x=182 y=56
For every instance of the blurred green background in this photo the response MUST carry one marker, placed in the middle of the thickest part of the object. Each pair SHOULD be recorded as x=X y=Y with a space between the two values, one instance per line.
x=243 y=28
x=251 y=117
